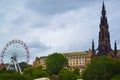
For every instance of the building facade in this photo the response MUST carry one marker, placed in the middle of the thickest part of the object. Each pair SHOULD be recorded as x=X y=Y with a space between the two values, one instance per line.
x=78 y=59
x=118 y=53
x=40 y=62
x=75 y=59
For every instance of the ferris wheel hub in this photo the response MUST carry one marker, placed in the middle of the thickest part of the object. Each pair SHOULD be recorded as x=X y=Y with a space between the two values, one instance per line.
x=15 y=51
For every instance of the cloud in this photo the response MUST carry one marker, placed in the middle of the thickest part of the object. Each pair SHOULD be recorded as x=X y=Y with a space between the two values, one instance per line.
x=62 y=35
x=56 y=26
x=48 y=7
x=38 y=45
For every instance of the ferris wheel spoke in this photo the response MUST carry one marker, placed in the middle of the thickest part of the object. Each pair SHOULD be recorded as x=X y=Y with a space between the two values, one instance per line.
x=17 y=49
x=6 y=57
x=7 y=53
x=6 y=61
x=21 y=59
x=23 y=55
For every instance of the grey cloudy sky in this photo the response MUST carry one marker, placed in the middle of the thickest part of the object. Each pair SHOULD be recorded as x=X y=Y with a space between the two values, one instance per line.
x=48 y=26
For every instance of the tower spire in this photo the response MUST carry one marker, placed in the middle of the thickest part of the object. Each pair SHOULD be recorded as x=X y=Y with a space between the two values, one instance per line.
x=93 y=49
x=103 y=9
x=115 y=49
x=104 y=47
x=103 y=17
x=93 y=44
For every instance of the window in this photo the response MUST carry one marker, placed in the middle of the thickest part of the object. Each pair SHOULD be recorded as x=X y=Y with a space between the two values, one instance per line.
x=76 y=60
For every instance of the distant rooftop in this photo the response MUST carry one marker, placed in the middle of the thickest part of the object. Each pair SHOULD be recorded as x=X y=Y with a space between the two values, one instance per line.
x=83 y=52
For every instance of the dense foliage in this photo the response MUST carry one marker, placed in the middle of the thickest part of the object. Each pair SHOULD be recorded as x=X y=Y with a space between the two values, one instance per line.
x=23 y=65
x=116 y=77
x=76 y=71
x=11 y=75
x=56 y=66
x=33 y=73
x=55 y=62
x=67 y=75
x=29 y=74
x=102 y=68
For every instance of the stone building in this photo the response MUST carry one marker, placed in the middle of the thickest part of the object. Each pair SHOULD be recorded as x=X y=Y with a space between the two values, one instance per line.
x=40 y=61
x=118 y=53
x=78 y=59
x=75 y=59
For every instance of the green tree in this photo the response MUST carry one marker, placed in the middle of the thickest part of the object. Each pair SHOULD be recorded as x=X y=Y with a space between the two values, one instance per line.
x=33 y=73
x=101 y=68
x=3 y=70
x=67 y=75
x=116 y=77
x=12 y=76
x=23 y=65
x=116 y=67
x=55 y=62
x=76 y=71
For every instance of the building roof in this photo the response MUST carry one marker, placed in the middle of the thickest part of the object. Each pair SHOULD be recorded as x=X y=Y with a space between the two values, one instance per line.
x=84 y=52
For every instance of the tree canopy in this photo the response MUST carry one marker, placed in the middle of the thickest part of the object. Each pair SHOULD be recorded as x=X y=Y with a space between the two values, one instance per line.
x=67 y=75
x=23 y=65
x=102 y=68
x=55 y=62
x=12 y=75
x=33 y=73
x=116 y=77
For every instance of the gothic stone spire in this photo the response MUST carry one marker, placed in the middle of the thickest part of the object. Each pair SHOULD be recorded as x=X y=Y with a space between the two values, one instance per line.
x=115 y=48
x=93 y=49
x=103 y=10
x=104 y=47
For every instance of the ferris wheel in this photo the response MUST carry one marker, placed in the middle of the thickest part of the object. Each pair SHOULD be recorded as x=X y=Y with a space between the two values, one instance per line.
x=14 y=52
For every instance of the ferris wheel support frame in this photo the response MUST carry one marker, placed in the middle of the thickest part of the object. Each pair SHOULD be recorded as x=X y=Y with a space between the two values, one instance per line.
x=14 y=64
x=14 y=61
